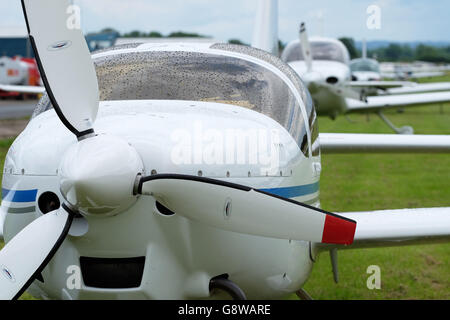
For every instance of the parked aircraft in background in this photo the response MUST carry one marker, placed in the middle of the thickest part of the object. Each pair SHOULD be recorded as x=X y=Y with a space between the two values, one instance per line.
x=324 y=65
x=18 y=72
x=408 y=72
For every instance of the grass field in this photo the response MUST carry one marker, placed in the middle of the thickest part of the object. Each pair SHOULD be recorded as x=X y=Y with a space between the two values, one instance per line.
x=375 y=182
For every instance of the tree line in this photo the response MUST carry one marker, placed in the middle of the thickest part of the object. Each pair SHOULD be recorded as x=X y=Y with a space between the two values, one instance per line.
x=153 y=34
x=395 y=52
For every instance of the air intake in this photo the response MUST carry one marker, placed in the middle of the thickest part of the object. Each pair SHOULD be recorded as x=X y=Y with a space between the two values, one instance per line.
x=112 y=273
x=332 y=80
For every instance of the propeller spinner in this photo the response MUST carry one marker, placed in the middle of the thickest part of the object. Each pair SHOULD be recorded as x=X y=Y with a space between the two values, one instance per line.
x=102 y=175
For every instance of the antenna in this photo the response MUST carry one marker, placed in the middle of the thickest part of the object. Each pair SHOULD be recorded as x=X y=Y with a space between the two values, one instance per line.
x=321 y=19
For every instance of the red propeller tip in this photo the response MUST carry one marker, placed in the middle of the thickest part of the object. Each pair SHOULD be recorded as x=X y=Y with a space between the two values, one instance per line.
x=338 y=231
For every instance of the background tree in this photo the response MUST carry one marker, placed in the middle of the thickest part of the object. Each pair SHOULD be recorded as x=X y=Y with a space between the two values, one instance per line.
x=134 y=34
x=181 y=34
x=350 y=44
x=155 y=34
x=281 y=46
x=237 y=41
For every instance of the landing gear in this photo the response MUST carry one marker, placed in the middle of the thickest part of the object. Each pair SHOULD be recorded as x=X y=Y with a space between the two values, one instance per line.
x=334 y=264
x=222 y=283
x=402 y=130
x=303 y=295
x=349 y=120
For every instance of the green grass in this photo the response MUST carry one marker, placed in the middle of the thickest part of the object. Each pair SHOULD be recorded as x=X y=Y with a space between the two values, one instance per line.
x=443 y=78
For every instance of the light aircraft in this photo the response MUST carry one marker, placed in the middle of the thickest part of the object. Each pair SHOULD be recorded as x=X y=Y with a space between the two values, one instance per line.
x=323 y=64
x=129 y=182
x=366 y=69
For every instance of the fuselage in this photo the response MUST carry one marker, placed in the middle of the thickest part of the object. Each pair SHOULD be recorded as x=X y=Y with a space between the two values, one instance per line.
x=330 y=68
x=174 y=257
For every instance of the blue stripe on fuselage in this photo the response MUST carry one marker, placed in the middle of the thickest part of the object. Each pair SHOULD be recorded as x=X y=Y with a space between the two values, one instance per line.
x=286 y=192
x=295 y=191
x=19 y=195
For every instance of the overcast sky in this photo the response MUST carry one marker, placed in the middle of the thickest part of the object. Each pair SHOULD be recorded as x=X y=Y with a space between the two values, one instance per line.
x=401 y=20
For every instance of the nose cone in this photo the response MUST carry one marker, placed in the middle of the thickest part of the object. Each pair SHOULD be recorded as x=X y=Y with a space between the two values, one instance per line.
x=323 y=70
x=97 y=175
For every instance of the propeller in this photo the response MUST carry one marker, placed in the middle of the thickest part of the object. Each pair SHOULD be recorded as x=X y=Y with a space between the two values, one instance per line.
x=241 y=209
x=65 y=64
x=311 y=77
x=69 y=77
x=102 y=176
x=306 y=47
x=27 y=254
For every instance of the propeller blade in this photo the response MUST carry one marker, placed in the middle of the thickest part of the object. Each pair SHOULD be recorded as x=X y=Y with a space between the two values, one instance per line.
x=306 y=47
x=27 y=254
x=242 y=209
x=65 y=63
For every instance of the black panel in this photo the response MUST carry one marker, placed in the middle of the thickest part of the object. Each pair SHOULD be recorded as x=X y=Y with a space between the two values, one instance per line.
x=114 y=273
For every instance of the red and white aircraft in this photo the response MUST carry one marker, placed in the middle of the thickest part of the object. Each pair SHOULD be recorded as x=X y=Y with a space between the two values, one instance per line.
x=19 y=75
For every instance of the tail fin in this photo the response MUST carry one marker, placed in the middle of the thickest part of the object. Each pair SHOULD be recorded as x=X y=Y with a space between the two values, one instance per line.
x=306 y=47
x=364 y=49
x=265 y=35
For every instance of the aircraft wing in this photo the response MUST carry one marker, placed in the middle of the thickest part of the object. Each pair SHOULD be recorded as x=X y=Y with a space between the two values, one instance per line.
x=337 y=143
x=389 y=75
x=380 y=84
x=389 y=228
x=22 y=89
x=429 y=74
x=391 y=101
x=421 y=88
x=414 y=75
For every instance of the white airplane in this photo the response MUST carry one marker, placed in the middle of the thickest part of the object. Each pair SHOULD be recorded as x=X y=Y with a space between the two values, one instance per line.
x=366 y=69
x=127 y=182
x=323 y=64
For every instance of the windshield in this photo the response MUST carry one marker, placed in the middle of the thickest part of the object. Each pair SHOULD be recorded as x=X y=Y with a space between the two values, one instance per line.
x=321 y=50
x=365 y=65
x=193 y=76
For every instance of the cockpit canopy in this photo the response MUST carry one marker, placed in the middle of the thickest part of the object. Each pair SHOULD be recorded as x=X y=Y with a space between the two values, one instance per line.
x=323 y=49
x=210 y=76
x=368 y=65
